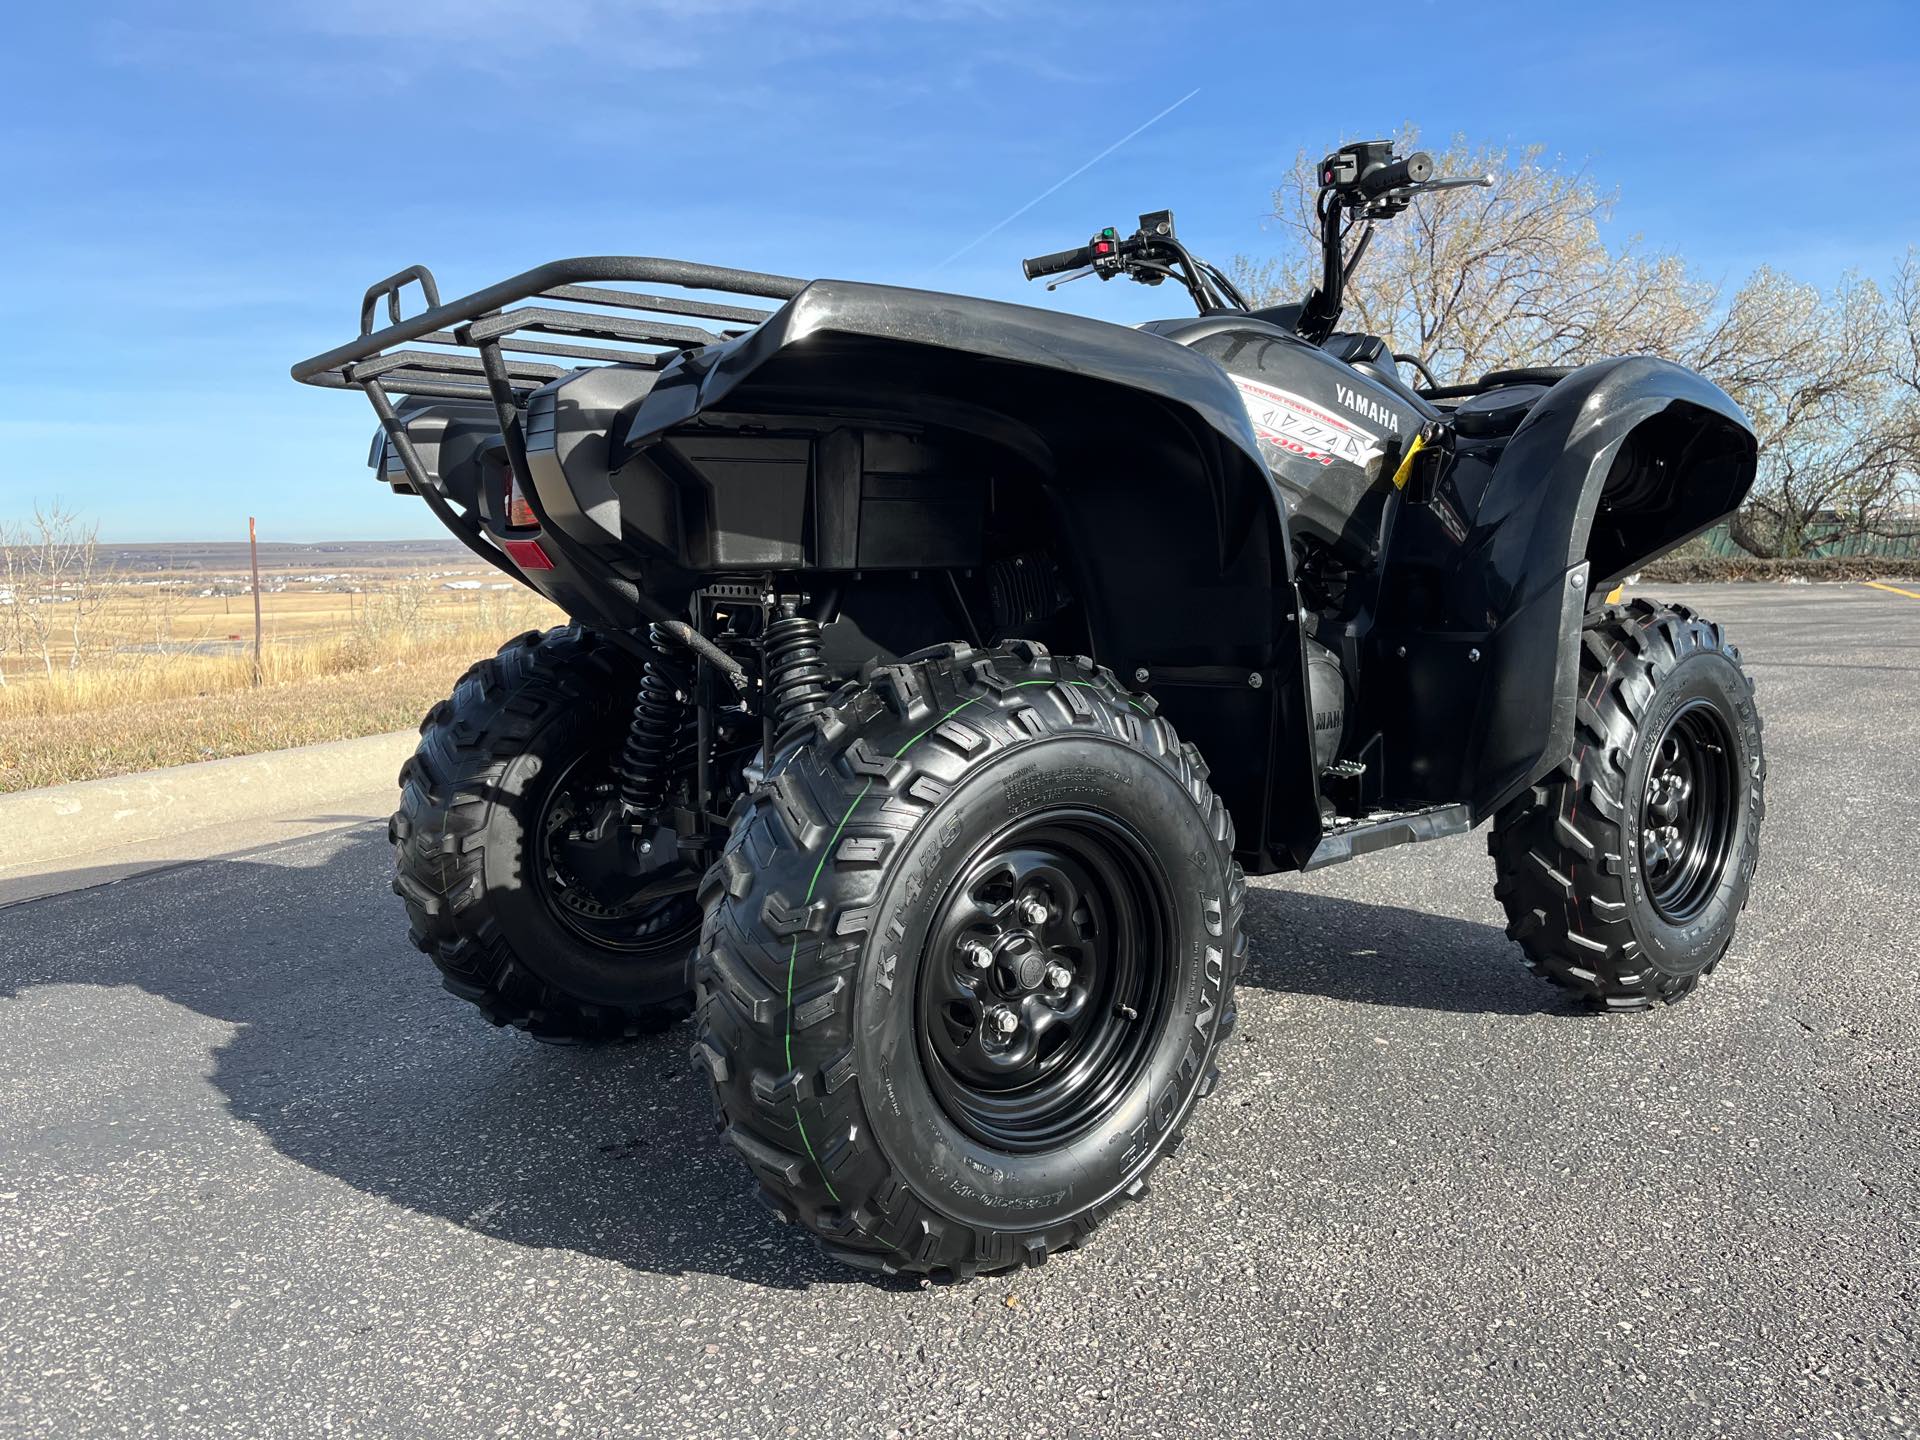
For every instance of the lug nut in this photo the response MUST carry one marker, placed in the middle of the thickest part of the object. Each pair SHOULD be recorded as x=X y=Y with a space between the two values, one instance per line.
x=1002 y=1021
x=978 y=954
x=1034 y=910
x=1059 y=977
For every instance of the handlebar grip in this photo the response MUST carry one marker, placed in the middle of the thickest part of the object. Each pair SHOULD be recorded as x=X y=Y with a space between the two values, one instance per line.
x=1056 y=262
x=1415 y=169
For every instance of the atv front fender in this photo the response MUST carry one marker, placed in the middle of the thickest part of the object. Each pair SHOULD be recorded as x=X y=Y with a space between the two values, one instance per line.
x=1618 y=463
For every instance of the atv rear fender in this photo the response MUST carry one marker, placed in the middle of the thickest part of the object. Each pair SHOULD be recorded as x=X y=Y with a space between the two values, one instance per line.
x=1621 y=461
x=1154 y=496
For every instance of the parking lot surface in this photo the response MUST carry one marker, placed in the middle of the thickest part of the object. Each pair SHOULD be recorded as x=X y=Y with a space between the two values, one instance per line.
x=260 y=1176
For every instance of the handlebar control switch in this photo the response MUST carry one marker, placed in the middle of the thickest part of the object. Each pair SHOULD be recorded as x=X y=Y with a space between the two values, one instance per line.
x=1343 y=169
x=1367 y=175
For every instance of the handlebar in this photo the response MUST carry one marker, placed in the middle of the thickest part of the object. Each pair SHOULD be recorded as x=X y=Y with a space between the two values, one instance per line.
x=1415 y=169
x=1056 y=262
x=1151 y=256
x=1360 y=184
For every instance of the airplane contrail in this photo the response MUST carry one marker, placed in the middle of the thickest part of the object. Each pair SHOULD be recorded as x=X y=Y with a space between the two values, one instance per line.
x=1067 y=180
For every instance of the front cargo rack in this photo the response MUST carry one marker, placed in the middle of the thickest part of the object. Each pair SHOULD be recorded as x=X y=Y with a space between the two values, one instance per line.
x=490 y=346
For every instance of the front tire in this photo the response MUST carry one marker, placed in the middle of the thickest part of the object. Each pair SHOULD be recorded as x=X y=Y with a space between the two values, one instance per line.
x=495 y=889
x=969 y=954
x=1624 y=871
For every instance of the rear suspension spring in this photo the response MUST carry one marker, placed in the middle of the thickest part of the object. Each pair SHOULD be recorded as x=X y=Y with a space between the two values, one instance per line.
x=797 y=681
x=657 y=734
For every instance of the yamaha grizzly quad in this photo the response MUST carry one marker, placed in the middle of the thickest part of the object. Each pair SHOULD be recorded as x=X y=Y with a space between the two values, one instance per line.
x=939 y=666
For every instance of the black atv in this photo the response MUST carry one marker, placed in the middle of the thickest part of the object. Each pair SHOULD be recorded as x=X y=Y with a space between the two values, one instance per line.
x=938 y=666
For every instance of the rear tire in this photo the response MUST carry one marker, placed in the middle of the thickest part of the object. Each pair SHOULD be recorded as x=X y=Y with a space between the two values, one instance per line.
x=966 y=842
x=473 y=853
x=1624 y=871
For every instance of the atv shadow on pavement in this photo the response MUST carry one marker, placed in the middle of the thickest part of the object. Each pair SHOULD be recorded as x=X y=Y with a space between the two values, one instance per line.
x=354 y=1063
x=1311 y=944
x=353 y=1066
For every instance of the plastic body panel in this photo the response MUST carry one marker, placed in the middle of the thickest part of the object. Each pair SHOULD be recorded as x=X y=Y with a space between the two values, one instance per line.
x=566 y=435
x=914 y=509
x=770 y=492
x=1329 y=432
x=453 y=437
x=745 y=499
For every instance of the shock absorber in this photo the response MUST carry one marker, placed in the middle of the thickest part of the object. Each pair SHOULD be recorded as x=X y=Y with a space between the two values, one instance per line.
x=796 y=679
x=660 y=716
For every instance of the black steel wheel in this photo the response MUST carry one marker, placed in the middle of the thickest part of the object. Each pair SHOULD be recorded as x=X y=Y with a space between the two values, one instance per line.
x=1624 y=871
x=512 y=876
x=583 y=874
x=1042 y=985
x=968 y=958
x=1687 y=817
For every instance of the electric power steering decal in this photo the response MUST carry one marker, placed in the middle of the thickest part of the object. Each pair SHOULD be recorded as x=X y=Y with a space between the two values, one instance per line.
x=1300 y=427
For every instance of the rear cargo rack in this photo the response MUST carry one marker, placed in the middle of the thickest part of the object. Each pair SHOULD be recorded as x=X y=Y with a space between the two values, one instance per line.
x=488 y=346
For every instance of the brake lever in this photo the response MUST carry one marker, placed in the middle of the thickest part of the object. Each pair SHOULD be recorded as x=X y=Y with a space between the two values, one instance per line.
x=1389 y=203
x=1461 y=182
x=1076 y=275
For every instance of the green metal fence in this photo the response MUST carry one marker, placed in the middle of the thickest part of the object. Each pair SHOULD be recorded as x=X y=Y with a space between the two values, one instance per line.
x=1902 y=545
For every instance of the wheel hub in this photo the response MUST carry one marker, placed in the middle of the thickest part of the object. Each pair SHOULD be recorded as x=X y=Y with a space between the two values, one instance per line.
x=1027 y=961
x=594 y=875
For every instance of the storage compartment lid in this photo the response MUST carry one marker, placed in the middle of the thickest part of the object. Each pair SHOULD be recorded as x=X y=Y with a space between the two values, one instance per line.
x=1496 y=412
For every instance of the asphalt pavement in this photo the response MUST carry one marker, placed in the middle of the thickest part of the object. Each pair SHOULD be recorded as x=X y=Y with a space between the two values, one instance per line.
x=260 y=1176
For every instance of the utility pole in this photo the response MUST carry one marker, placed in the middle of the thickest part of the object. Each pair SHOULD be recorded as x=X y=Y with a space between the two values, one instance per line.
x=253 y=553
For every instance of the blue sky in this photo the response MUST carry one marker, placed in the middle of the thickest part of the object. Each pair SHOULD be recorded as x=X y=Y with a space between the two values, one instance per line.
x=196 y=194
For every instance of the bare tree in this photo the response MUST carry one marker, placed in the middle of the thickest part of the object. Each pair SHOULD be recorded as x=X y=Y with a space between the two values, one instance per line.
x=1812 y=373
x=1471 y=281
x=1902 y=405
x=60 y=583
x=12 y=602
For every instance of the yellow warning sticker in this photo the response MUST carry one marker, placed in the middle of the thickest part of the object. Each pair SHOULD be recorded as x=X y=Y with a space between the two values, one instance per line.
x=1405 y=472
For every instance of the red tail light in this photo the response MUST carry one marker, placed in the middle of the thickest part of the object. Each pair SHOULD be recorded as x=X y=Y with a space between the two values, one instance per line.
x=520 y=514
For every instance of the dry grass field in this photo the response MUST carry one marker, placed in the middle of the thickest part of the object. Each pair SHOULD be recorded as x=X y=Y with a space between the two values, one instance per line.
x=157 y=668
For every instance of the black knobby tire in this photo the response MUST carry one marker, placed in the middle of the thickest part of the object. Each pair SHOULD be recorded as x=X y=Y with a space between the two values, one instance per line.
x=925 y=793
x=1593 y=893
x=468 y=859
